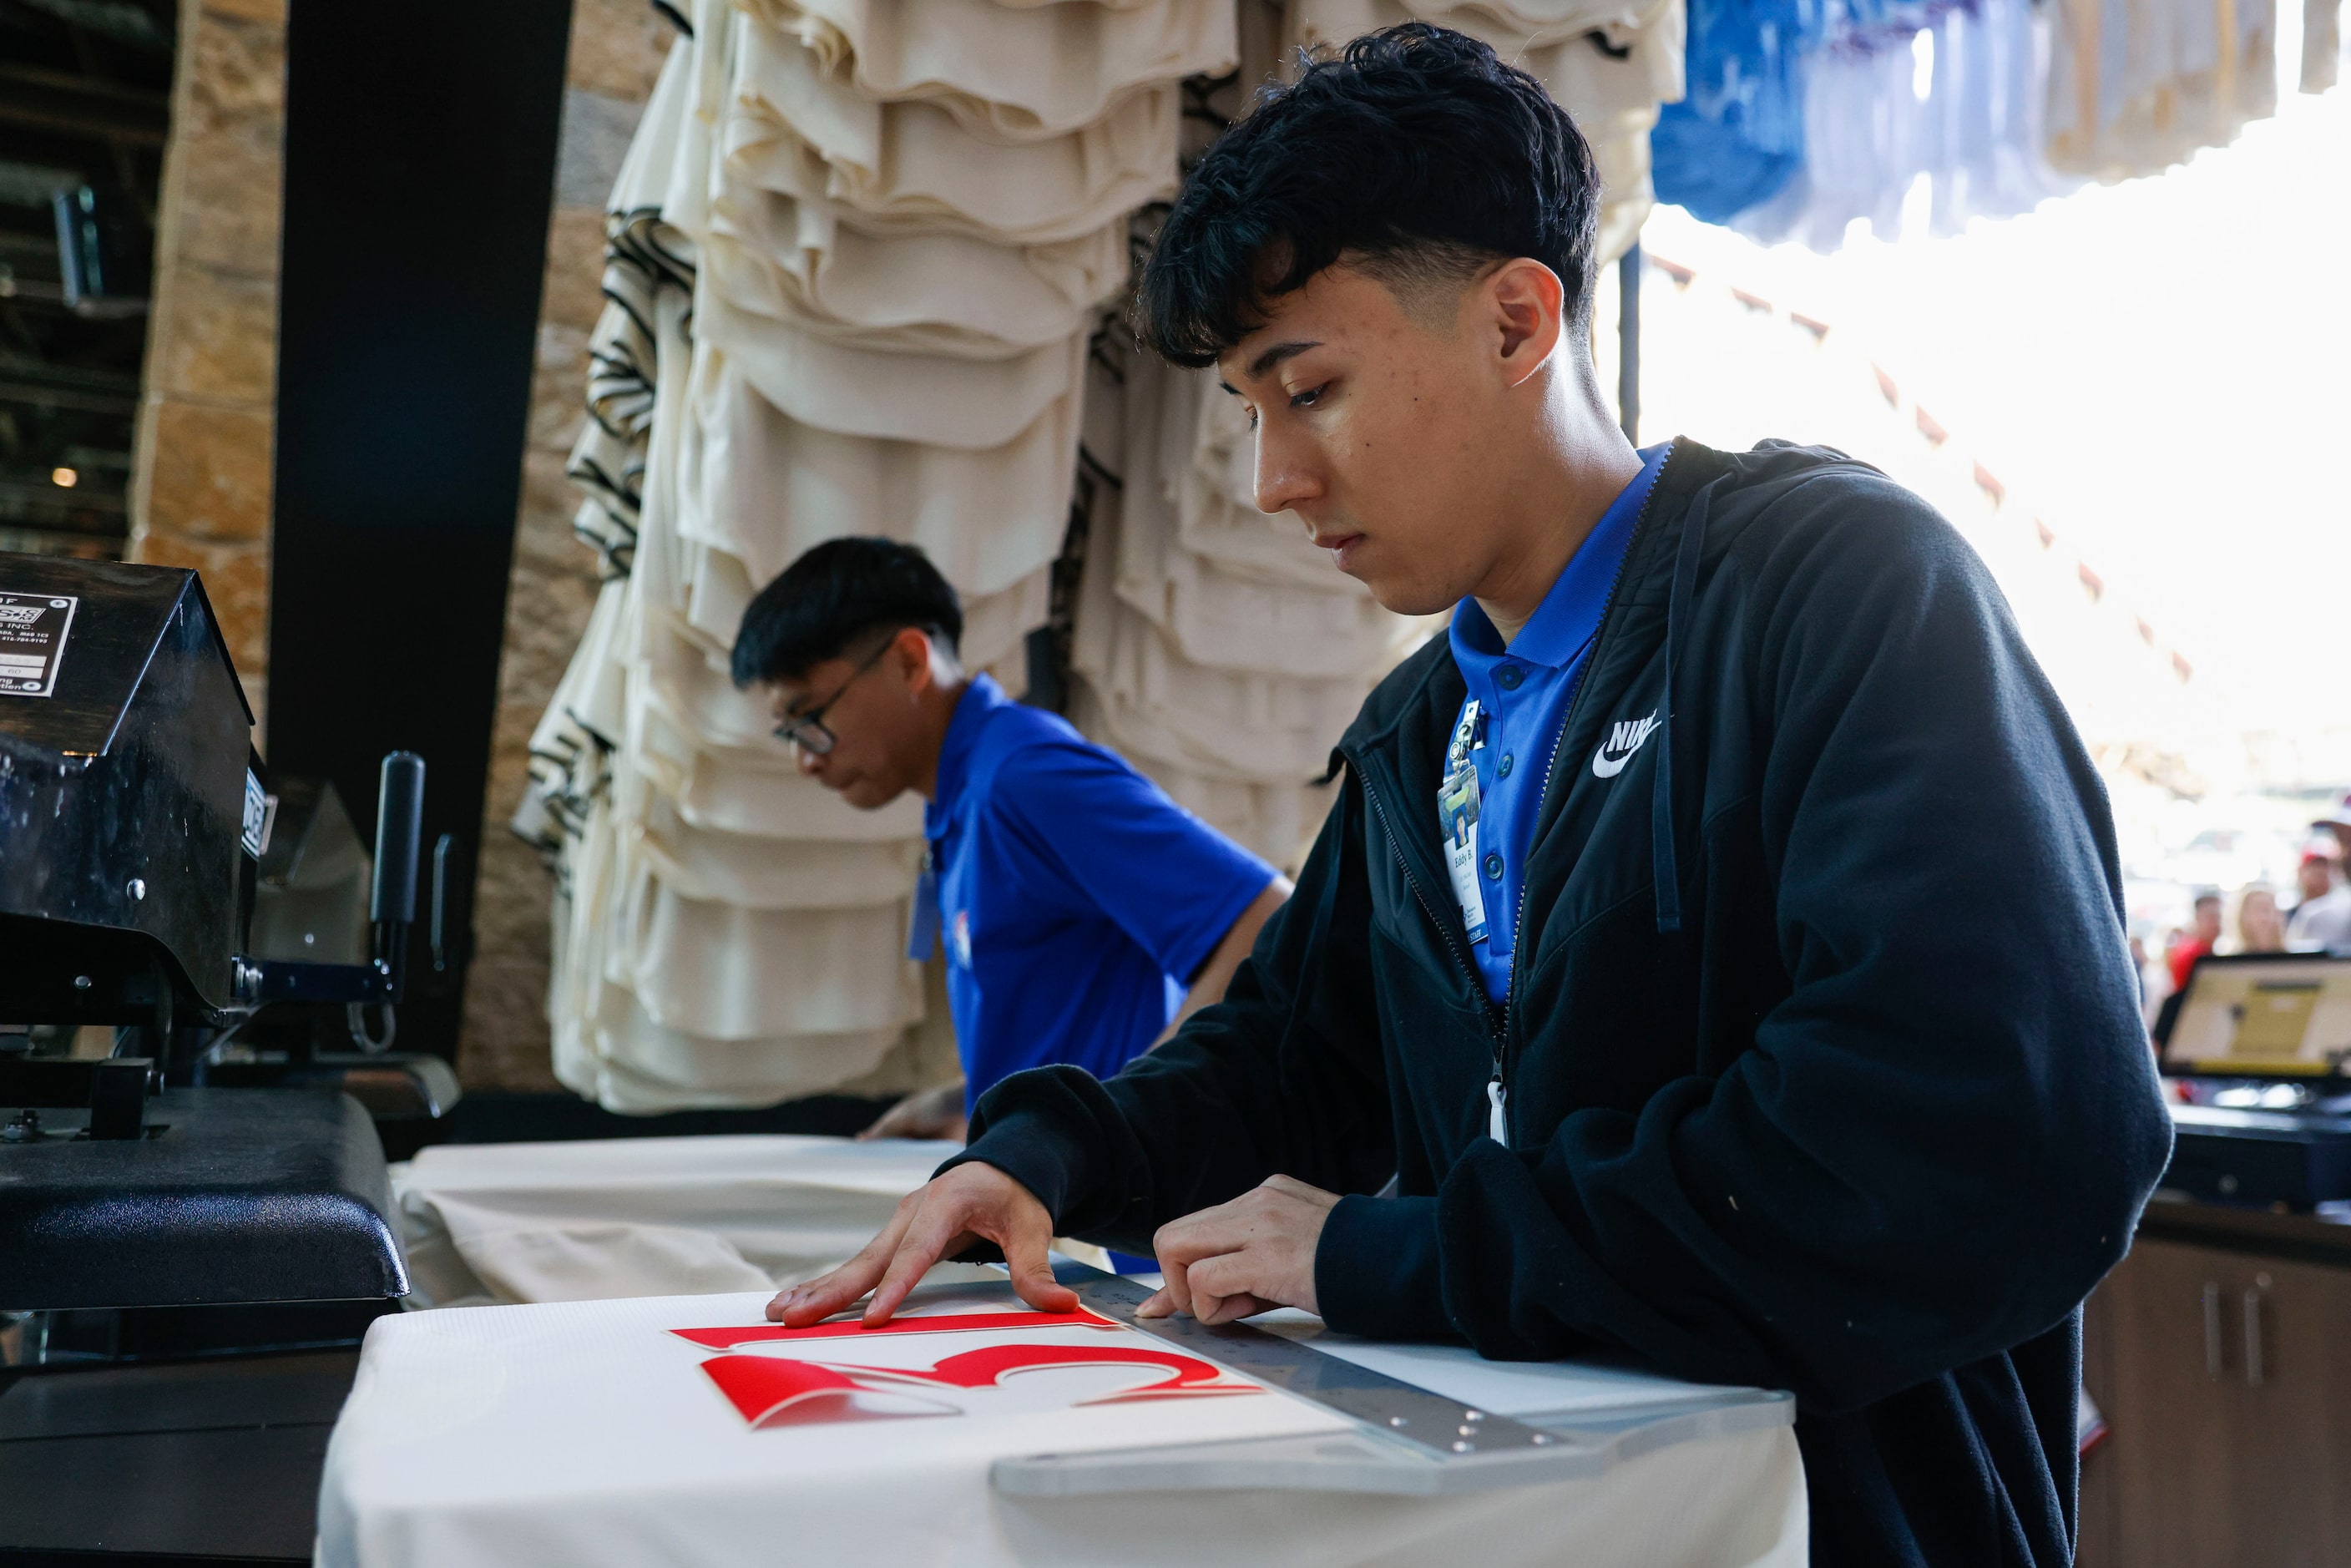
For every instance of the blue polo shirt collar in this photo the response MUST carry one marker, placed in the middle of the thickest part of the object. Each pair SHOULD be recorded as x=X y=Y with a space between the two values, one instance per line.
x=1568 y=618
x=981 y=699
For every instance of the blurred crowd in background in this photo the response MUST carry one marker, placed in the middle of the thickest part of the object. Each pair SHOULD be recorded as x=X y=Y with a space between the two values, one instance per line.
x=2173 y=923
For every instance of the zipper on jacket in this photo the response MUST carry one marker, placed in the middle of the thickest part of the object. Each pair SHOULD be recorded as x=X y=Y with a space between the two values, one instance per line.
x=1498 y=1091
x=1460 y=959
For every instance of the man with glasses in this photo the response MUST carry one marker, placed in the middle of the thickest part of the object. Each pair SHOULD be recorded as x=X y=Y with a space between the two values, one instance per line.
x=1078 y=905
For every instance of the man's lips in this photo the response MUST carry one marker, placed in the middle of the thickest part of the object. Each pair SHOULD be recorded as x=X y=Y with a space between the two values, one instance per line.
x=1341 y=546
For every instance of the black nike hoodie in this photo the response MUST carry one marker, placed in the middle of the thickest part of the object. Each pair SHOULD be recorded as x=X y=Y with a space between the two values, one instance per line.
x=1823 y=1066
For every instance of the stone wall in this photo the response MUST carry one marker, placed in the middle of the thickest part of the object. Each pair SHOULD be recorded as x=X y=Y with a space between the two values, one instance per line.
x=617 y=49
x=201 y=488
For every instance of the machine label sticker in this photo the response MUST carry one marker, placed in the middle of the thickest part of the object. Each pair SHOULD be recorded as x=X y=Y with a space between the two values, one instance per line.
x=33 y=628
x=770 y=1387
x=260 y=816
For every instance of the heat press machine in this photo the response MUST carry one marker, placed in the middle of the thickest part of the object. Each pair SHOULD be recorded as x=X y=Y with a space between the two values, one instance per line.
x=165 y=1189
x=2258 y=1051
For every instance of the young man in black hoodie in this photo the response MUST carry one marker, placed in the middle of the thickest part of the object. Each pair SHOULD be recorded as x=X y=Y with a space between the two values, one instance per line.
x=1717 y=940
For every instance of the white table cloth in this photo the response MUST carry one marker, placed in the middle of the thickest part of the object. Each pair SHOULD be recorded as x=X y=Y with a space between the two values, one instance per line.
x=683 y=1431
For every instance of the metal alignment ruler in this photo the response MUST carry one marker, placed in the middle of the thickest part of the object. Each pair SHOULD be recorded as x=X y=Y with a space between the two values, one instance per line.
x=1406 y=1439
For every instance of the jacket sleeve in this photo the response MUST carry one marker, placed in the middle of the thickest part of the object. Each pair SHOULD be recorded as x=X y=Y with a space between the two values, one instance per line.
x=1940 y=1139
x=1284 y=1075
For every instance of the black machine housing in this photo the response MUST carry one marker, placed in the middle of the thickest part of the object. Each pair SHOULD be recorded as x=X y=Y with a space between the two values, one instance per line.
x=134 y=814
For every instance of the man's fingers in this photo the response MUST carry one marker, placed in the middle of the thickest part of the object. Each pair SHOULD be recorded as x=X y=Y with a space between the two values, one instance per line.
x=1232 y=1308
x=1177 y=1286
x=828 y=1293
x=1224 y=1288
x=1158 y=1305
x=922 y=1246
x=1024 y=1256
x=821 y=1297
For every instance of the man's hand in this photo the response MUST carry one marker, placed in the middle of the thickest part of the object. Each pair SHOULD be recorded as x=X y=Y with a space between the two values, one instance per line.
x=970 y=1203
x=924 y=1113
x=1245 y=1257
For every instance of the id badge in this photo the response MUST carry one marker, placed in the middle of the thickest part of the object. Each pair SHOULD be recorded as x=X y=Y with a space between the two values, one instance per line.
x=1457 y=811
x=923 y=916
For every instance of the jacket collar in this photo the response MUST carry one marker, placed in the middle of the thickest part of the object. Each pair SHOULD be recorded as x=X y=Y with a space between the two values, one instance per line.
x=1396 y=744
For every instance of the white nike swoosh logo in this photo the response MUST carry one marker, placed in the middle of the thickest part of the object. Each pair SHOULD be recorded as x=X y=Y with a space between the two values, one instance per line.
x=1623 y=739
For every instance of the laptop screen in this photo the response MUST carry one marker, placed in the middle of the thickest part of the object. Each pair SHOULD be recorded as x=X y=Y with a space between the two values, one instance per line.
x=2264 y=1015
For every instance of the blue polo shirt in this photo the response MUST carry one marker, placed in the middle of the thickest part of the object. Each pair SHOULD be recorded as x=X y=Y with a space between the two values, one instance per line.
x=1074 y=899
x=1523 y=692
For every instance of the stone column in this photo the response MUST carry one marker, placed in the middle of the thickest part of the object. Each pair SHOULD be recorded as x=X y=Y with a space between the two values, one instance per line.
x=200 y=484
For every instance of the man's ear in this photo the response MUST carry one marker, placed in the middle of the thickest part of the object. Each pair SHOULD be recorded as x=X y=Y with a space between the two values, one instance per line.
x=1524 y=304
x=910 y=659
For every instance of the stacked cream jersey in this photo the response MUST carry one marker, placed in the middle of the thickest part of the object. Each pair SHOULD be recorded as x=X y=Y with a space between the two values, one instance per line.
x=880 y=241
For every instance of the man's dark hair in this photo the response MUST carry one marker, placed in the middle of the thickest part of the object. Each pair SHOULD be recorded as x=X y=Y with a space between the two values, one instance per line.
x=837 y=596
x=1416 y=153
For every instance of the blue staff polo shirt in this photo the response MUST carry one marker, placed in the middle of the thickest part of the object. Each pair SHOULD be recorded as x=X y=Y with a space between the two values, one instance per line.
x=1523 y=692
x=1076 y=900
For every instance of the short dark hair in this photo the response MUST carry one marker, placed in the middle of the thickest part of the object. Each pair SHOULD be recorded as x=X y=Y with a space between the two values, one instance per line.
x=835 y=596
x=1415 y=150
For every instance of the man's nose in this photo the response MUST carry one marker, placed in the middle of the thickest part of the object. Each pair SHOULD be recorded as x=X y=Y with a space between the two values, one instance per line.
x=1287 y=474
x=807 y=762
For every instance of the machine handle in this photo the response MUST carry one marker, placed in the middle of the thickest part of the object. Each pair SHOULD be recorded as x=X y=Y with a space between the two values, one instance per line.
x=2211 y=1329
x=2255 y=1371
x=442 y=850
x=398 y=829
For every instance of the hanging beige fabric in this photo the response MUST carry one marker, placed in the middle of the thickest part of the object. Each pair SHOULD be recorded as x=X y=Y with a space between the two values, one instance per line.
x=792 y=258
x=1218 y=620
x=584 y=907
x=768 y=873
x=1216 y=617
x=2322 y=44
x=970 y=404
x=1610 y=66
x=1277 y=820
x=1007 y=73
x=640 y=1068
x=571 y=754
x=768 y=487
x=1536 y=37
x=726 y=972
x=2136 y=86
x=1227 y=674
x=1216 y=512
x=758 y=792
x=1244 y=725
x=689 y=684
x=793 y=129
x=650 y=162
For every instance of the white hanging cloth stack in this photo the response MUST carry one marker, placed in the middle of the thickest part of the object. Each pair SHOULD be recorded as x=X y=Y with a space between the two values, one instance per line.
x=1609 y=63
x=2136 y=86
x=879 y=249
x=1214 y=646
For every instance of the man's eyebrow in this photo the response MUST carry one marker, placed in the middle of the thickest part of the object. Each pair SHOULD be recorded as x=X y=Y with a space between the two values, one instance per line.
x=1270 y=358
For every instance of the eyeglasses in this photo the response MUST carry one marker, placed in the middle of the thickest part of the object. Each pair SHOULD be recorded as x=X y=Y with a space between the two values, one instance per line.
x=807 y=730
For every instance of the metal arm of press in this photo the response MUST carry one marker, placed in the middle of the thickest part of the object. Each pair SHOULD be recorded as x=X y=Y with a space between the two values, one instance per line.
x=398 y=830
x=115 y=1091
